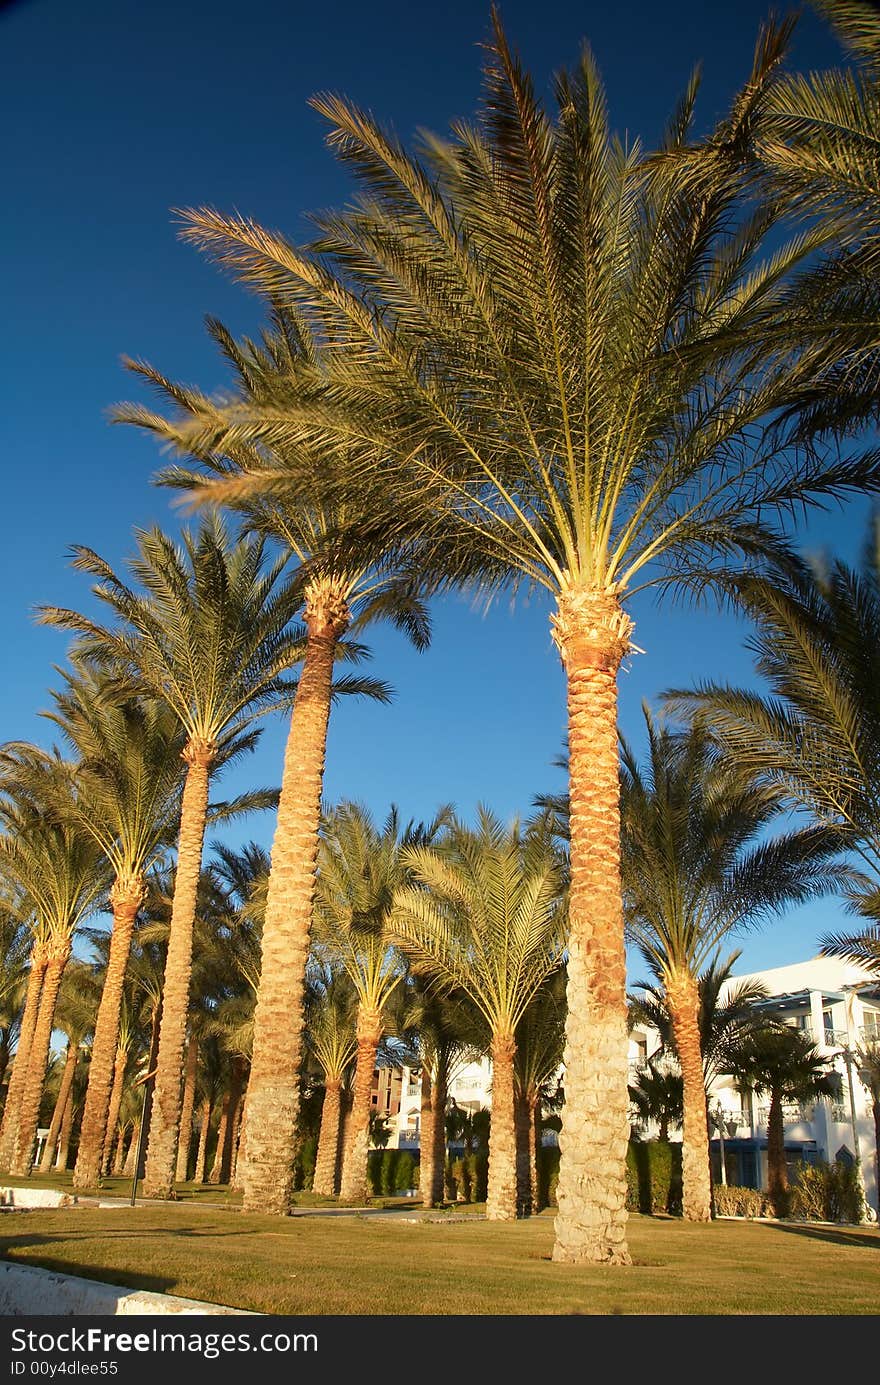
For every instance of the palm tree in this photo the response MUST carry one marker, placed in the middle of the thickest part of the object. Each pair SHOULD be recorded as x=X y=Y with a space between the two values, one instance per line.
x=785 y=1064
x=359 y=869
x=815 y=739
x=485 y=914
x=15 y=947
x=696 y=867
x=657 y=1094
x=861 y=948
x=816 y=138
x=128 y=787
x=868 y=1068
x=208 y=632
x=540 y=1037
x=554 y=359
x=61 y=871
x=351 y=572
x=332 y=1038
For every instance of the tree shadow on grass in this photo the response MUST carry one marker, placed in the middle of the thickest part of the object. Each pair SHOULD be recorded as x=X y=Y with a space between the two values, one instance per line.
x=855 y=1237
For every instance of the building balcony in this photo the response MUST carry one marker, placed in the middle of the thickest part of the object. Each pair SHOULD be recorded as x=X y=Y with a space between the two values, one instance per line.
x=793 y=1113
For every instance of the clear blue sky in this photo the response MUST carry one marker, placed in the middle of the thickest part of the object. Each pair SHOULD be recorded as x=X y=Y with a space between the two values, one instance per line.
x=111 y=113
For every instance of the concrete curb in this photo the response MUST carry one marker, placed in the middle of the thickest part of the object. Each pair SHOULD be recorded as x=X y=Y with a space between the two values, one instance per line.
x=26 y=1291
x=35 y=1197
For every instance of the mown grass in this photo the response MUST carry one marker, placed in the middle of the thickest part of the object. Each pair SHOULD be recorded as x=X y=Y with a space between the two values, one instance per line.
x=363 y=1264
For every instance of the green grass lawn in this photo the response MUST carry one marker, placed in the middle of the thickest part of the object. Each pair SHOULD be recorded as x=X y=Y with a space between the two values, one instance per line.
x=392 y=1265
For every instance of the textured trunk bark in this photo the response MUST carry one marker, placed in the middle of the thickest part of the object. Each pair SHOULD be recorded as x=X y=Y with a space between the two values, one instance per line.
x=128 y=1167
x=201 y=1153
x=165 y=1124
x=221 y=1168
x=119 y=1065
x=51 y=1145
x=186 y=1110
x=62 y=1160
x=439 y=1145
x=875 y=1107
x=535 y=1155
x=326 y=1160
x=593 y=634
x=152 y=1059
x=239 y=1143
x=12 y=1109
x=501 y=1196
x=354 y=1186
x=777 y=1173
x=427 y=1143
x=683 y=999
x=523 y=1129
x=126 y=898
x=4 y=1055
x=119 y=1155
x=38 y=1059
x=278 y=1019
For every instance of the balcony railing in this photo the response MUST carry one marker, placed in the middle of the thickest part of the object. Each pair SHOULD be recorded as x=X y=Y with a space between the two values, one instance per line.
x=839 y=1112
x=793 y=1113
x=834 y=1038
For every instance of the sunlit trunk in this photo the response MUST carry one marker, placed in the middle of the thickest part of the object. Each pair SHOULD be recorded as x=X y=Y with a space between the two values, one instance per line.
x=535 y=1155
x=277 y=1048
x=58 y=953
x=427 y=1142
x=204 y=1131
x=501 y=1195
x=166 y=1115
x=523 y=1154
x=683 y=999
x=119 y=1067
x=326 y=1159
x=354 y=1186
x=222 y=1166
x=119 y=1155
x=592 y=634
x=126 y=898
x=12 y=1109
x=186 y=1109
x=128 y=1167
x=62 y=1160
x=64 y=1090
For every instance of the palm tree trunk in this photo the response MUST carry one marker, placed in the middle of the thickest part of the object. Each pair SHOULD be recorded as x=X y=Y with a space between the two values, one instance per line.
x=535 y=1157
x=119 y=1155
x=152 y=1059
x=278 y=1018
x=777 y=1173
x=592 y=634
x=324 y=1181
x=165 y=1123
x=126 y=898
x=186 y=1110
x=12 y=1109
x=239 y=1143
x=501 y=1195
x=66 y=1132
x=683 y=999
x=222 y=1166
x=427 y=1129
x=119 y=1066
x=4 y=1053
x=128 y=1166
x=875 y=1108
x=354 y=1186
x=58 y=953
x=523 y=1130
x=201 y=1153
x=64 y=1090
x=439 y=1142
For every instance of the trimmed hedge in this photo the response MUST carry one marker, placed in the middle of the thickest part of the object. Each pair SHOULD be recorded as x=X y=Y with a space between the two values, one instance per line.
x=392 y=1171
x=653 y=1176
x=827 y=1192
x=732 y=1201
x=467 y=1179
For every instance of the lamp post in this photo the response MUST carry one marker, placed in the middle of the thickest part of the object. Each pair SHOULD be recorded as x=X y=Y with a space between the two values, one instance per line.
x=718 y=1115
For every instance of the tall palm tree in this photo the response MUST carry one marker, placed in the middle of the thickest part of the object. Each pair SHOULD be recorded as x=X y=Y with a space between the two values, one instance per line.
x=485 y=914
x=868 y=1068
x=787 y=1065
x=75 y=1018
x=206 y=629
x=554 y=358
x=696 y=866
x=15 y=947
x=352 y=572
x=657 y=1094
x=60 y=869
x=540 y=1039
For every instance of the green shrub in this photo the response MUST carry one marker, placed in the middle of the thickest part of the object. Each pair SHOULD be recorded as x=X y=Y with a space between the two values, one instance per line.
x=731 y=1201
x=548 y=1175
x=653 y=1176
x=403 y=1170
x=828 y=1192
x=304 y=1164
x=450 y=1185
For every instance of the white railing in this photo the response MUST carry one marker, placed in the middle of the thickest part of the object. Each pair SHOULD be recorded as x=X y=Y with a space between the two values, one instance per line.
x=793 y=1113
x=839 y=1112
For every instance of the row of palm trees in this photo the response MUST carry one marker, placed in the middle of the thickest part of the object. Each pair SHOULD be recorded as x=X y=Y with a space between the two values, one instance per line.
x=523 y=354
